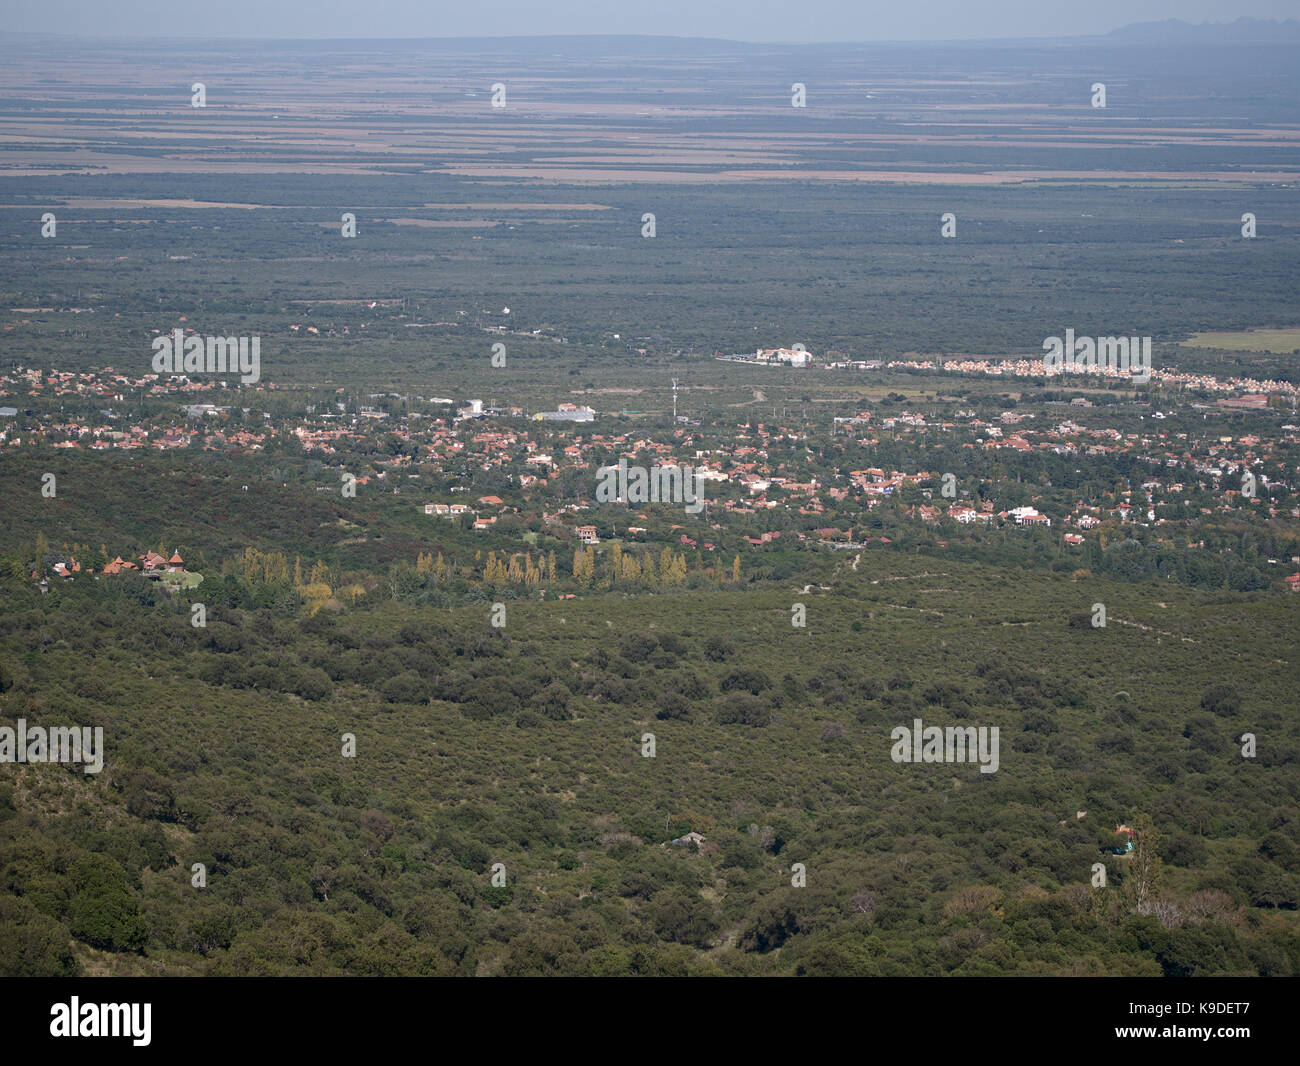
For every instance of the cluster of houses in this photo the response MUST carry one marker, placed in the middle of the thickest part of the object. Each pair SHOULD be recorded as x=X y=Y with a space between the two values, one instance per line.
x=448 y=510
x=967 y=515
x=508 y=446
x=460 y=510
x=149 y=563
x=1025 y=516
x=1190 y=474
x=1035 y=368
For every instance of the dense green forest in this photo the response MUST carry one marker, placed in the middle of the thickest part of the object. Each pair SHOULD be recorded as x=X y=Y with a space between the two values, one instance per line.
x=522 y=745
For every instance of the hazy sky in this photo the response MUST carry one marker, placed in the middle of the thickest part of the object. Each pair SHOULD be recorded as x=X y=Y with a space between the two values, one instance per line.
x=747 y=20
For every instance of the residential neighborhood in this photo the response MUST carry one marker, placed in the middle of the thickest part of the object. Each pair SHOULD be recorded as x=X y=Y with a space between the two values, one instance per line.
x=761 y=481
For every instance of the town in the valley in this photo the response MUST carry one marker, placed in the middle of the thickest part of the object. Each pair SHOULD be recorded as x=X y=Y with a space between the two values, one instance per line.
x=1093 y=463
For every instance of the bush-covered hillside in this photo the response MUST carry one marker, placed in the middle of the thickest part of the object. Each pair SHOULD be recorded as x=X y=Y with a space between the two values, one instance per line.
x=522 y=745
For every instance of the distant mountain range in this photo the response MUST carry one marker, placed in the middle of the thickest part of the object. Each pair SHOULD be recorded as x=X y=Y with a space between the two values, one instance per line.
x=1177 y=31
x=1169 y=32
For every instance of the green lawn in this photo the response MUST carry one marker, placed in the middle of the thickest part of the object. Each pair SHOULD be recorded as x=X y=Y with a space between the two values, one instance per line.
x=1277 y=341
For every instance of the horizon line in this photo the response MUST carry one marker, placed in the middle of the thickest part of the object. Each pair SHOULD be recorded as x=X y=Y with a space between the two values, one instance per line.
x=358 y=39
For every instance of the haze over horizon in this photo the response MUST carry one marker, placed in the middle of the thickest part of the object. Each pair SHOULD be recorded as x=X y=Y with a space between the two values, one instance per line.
x=758 y=21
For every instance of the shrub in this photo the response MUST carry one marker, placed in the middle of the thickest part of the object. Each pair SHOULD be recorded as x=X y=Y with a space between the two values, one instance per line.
x=718 y=649
x=740 y=708
x=103 y=913
x=404 y=688
x=1221 y=699
x=673 y=705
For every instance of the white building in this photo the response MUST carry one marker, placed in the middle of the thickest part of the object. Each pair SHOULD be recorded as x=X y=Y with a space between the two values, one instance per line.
x=792 y=356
